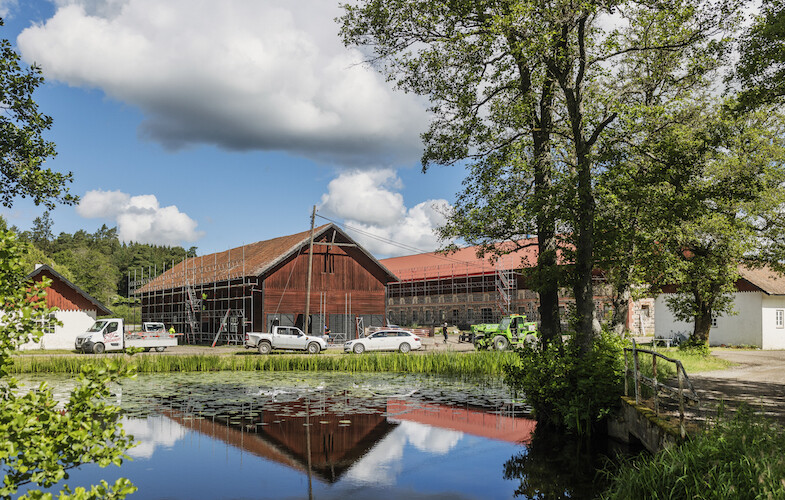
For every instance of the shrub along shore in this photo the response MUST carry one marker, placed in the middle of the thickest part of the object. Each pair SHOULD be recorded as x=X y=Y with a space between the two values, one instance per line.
x=441 y=363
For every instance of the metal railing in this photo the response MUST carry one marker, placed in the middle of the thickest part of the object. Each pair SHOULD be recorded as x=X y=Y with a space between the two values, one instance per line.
x=685 y=391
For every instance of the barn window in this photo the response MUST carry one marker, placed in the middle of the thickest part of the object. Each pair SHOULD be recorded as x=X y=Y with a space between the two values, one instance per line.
x=329 y=263
x=779 y=319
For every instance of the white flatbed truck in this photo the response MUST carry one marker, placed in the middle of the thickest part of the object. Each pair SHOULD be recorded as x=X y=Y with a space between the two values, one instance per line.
x=110 y=335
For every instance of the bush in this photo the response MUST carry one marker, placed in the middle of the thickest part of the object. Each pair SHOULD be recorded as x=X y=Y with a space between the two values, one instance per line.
x=695 y=346
x=567 y=389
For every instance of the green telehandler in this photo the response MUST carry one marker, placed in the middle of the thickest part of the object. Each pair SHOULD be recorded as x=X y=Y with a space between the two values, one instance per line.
x=512 y=330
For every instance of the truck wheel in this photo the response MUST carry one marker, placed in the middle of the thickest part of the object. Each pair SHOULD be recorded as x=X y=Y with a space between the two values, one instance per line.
x=313 y=348
x=358 y=348
x=404 y=348
x=500 y=343
x=264 y=347
x=98 y=348
x=160 y=349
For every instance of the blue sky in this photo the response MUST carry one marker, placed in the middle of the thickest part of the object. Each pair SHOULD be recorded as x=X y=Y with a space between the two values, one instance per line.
x=214 y=124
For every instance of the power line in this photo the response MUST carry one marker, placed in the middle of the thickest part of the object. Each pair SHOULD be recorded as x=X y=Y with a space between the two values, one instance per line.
x=392 y=242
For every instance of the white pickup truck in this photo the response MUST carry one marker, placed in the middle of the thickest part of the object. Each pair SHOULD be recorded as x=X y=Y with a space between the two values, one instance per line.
x=285 y=337
x=109 y=335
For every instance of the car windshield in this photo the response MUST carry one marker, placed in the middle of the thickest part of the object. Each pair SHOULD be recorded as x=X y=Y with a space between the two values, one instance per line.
x=97 y=326
x=154 y=327
x=504 y=324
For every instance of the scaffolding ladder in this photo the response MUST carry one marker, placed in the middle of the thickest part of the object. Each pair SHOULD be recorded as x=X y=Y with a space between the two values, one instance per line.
x=505 y=288
x=221 y=328
x=191 y=308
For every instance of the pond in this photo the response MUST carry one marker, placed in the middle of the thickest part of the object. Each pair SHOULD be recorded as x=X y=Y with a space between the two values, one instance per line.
x=336 y=435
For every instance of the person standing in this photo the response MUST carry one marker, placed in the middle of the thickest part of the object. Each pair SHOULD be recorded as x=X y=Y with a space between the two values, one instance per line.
x=444 y=331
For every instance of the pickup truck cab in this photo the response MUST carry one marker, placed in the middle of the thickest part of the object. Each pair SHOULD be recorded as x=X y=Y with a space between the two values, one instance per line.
x=287 y=338
x=109 y=335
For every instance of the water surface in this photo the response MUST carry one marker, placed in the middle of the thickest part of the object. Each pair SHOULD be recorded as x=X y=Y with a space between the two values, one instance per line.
x=237 y=435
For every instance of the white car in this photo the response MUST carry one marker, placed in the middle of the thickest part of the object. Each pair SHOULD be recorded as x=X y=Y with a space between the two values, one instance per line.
x=384 y=340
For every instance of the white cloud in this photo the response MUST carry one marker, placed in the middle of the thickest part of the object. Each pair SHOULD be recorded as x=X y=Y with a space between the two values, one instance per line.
x=140 y=218
x=7 y=6
x=368 y=200
x=152 y=432
x=239 y=74
x=384 y=462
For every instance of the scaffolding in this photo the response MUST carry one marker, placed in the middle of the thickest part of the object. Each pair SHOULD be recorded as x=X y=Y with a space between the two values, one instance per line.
x=463 y=294
x=460 y=294
x=209 y=302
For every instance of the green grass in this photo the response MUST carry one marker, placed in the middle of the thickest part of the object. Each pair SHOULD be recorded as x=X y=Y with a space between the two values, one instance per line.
x=738 y=458
x=454 y=364
x=693 y=362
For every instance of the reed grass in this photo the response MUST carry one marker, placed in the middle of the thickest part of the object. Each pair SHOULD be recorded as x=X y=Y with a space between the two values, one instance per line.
x=442 y=363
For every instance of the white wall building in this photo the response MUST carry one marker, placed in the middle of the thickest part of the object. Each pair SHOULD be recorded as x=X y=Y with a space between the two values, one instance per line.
x=759 y=303
x=76 y=309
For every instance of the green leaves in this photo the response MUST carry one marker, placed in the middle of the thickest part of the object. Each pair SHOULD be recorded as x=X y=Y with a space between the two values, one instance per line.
x=761 y=67
x=40 y=438
x=23 y=150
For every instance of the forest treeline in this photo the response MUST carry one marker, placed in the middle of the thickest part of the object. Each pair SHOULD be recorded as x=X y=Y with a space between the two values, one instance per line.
x=98 y=263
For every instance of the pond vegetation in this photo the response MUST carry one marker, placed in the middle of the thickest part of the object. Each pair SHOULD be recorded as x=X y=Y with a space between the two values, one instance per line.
x=442 y=363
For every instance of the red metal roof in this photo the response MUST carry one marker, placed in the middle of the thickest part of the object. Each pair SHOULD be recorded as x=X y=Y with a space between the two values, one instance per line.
x=470 y=421
x=462 y=262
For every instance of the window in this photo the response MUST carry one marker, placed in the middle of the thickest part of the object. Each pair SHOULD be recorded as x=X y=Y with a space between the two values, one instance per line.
x=47 y=324
x=329 y=263
x=469 y=315
x=486 y=314
x=779 y=318
x=714 y=321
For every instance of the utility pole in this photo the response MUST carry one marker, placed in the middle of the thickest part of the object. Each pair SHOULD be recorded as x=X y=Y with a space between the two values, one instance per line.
x=308 y=281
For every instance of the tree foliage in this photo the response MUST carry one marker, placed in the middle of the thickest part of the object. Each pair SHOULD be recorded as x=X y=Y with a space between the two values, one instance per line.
x=761 y=67
x=41 y=439
x=23 y=149
x=533 y=95
x=724 y=181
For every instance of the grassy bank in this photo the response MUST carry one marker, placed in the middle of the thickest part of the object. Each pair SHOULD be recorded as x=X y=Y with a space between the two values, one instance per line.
x=445 y=363
x=738 y=458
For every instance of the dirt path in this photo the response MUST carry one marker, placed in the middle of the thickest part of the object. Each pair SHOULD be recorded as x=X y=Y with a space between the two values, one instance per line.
x=758 y=379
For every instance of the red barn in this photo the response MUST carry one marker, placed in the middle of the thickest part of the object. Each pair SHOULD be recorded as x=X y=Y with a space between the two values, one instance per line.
x=250 y=288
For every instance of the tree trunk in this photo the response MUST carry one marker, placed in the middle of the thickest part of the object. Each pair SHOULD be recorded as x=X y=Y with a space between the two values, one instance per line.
x=586 y=324
x=621 y=307
x=700 y=333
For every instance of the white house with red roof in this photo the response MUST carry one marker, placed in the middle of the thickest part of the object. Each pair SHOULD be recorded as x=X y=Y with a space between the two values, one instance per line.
x=76 y=309
x=759 y=303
